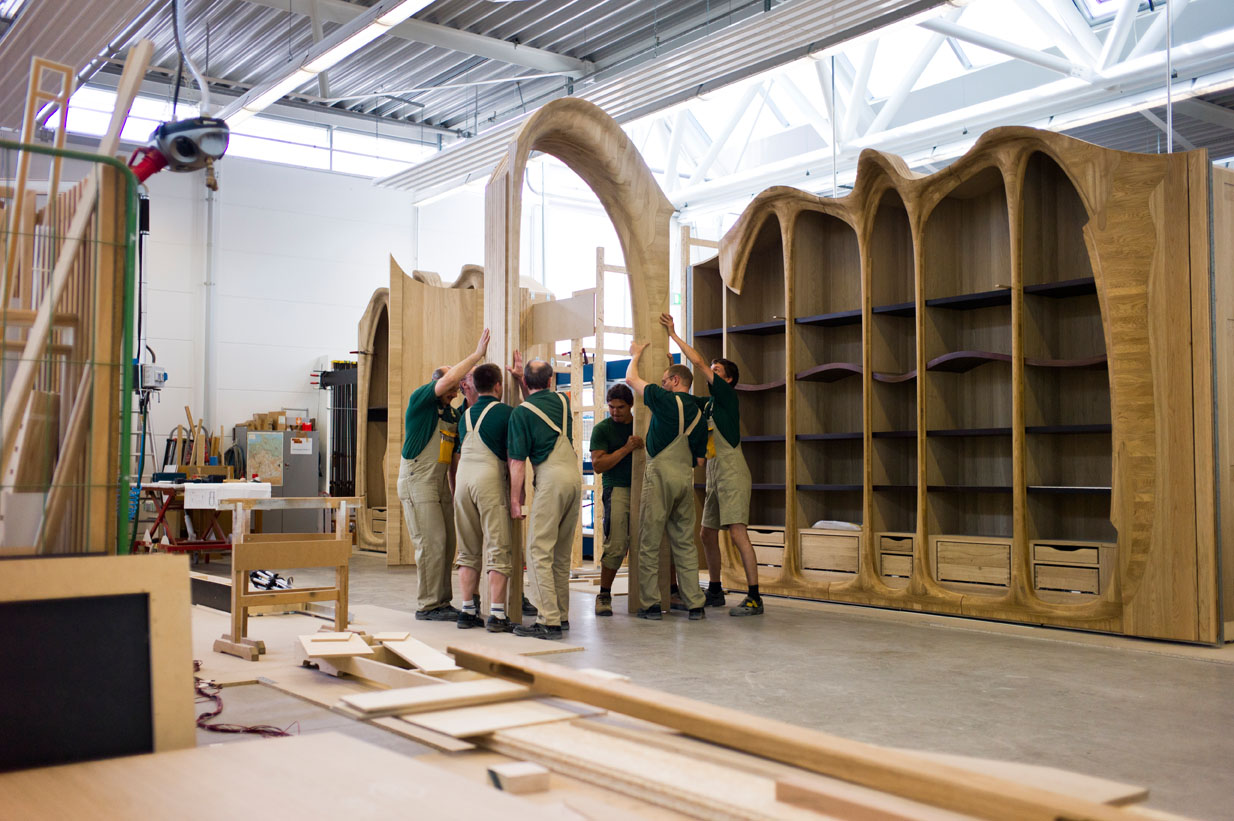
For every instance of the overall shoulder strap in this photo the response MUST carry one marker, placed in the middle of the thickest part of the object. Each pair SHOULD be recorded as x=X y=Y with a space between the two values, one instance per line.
x=484 y=413
x=543 y=416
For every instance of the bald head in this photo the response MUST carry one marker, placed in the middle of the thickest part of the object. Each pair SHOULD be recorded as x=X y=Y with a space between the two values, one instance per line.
x=538 y=375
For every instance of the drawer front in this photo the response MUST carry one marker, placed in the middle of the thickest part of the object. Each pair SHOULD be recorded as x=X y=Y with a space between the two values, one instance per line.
x=976 y=562
x=766 y=536
x=1065 y=554
x=894 y=544
x=1067 y=578
x=824 y=551
x=897 y=565
x=769 y=555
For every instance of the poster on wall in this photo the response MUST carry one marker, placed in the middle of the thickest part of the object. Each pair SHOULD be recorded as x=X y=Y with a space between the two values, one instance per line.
x=265 y=456
x=302 y=446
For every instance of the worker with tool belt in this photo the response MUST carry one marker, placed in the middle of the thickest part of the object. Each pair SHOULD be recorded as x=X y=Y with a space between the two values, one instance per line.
x=429 y=433
x=675 y=441
x=541 y=430
x=726 y=505
x=482 y=501
x=612 y=447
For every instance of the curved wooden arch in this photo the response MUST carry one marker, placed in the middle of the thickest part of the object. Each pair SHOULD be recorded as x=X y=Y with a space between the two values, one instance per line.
x=591 y=143
x=372 y=394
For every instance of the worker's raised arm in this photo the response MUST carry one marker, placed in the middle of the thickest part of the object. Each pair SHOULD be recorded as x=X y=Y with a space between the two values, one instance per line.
x=455 y=375
x=636 y=383
x=694 y=356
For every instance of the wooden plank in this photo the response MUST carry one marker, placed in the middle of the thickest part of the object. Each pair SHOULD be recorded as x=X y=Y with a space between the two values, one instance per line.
x=519 y=777
x=934 y=784
x=1223 y=297
x=420 y=655
x=393 y=635
x=468 y=722
x=557 y=320
x=285 y=555
x=316 y=648
x=376 y=670
x=423 y=735
x=440 y=697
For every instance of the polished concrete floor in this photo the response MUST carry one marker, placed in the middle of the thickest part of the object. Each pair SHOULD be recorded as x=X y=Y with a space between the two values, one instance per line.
x=1146 y=713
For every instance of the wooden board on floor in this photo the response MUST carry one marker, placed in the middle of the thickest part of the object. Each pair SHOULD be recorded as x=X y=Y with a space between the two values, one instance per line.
x=467 y=722
x=441 y=634
x=364 y=782
x=621 y=586
x=420 y=655
x=328 y=645
x=439 y=697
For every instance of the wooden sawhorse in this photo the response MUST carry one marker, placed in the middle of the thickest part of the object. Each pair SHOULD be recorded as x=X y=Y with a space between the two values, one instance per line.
x=281 y=551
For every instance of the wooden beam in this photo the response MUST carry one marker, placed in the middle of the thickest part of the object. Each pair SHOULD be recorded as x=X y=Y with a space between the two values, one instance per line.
x=572 y=318
x=931 y=783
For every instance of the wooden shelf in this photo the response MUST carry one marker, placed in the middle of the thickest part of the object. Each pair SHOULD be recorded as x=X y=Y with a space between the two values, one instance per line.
x=894 y=434
x=830 y=488
x=1087 y=363
x=963 y=361
x=970 y=432
x=895 y=378
x=969 y=488
x=829 y=372
x=828 y=437
x=772 y=437
x=894 y=487
x=1066 y=429
x=765 y=386
x=968 y=302
x=898 y=309
x=768 y=486
x=775 y=326
x=1082 y=286
x=1069 y=489
x=831 y=320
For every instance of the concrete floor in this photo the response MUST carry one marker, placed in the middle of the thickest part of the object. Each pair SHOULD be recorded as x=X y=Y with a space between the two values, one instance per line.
x=1147 y=713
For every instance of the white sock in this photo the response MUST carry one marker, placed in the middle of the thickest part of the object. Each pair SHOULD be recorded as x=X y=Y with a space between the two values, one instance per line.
x=470 y=607
x=498 y=611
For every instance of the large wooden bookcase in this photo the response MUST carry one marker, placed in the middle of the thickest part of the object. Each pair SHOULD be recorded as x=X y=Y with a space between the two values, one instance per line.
x=987 y=392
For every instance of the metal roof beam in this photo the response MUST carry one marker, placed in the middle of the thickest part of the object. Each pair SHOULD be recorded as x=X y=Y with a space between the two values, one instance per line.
x=1167 y=18
x=433 y=34
x=1028 y=55
x=1206 y=112
x=1116 y=37
x=1165 y=129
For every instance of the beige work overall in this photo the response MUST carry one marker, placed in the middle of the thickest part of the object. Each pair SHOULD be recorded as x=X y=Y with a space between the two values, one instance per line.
x=424 y=491
x=728 y=486
x=481 y=502
x=667 y=506
x=554 y=514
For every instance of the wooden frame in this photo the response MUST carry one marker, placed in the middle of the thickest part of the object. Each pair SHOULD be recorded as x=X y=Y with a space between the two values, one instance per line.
x=1004 y=365
x=372 y=418
x=278 y=551
x=165 y=581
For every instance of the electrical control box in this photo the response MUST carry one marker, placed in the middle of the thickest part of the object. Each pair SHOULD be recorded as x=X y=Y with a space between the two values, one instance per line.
x=150 y=377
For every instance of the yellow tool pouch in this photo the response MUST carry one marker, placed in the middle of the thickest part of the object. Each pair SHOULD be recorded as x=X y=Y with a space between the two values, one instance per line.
x=445 y=451
x=711 y=440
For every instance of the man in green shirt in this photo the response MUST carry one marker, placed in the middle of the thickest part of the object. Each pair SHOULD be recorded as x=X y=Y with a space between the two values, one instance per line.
x=727 y=503
x=666 y=506
x=542 y=431
x=423 y=489
x=481 y=500
x=612 y=444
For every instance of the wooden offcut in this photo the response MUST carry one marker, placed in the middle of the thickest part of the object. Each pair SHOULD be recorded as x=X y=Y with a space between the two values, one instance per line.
x=437 y=697
x=519 y=777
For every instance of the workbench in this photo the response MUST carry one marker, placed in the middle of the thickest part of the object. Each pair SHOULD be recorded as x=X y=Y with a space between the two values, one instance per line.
x=170 y=497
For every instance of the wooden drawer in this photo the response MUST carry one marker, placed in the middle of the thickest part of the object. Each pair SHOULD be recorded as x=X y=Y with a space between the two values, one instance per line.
x=1057 y=553
x=975 y=562
x=829 y=551
x=897 y=565
x=766 y=535
x=1067 y=578
x=894 y=543
x=769 y=555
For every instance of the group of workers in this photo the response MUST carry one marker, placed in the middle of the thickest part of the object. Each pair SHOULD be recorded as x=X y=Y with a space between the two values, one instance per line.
x=462 y=479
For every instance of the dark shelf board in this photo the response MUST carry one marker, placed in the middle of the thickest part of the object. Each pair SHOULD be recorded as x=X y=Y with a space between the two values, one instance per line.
x=831 y=488
x=964 y=361
x=709 y=333
x=828 y=437
x=831 y=320
x=771 y=437
x=829 y=372
x=970 y=432
x=1087 y=362
x=894 y=434
x=967 y=302
x=775 y=326
x=1048 y=429
x=969 y=488
x=764 y=386
x=898 y=309
x=1064 y=288
x=895 y=487
x=767 y=486
x=895 y=378
x=1075 y=490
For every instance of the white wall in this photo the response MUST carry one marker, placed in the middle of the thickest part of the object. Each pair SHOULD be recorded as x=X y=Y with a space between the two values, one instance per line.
x=297 y=256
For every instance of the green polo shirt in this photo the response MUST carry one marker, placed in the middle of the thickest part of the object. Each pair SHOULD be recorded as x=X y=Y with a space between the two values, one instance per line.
x=493 y=431
x=664 y=419
x=610 y=436
x=529 y=437
x=424 y=409
x=724 y=410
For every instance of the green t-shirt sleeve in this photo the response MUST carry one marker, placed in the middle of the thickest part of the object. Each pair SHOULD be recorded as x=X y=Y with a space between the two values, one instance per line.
x=600 y=438
x=420 y=420
x=698 y=436
x=518 y=434
x=659 y=400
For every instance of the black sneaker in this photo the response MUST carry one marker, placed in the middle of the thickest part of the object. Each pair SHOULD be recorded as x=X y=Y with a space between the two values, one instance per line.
x=496 y=625
x=468 y=620
x=565 y=624
x=538 y=631
x=748 y=607
x=444 y=613
x=714 y=599
x=652 y=613
x=696 y=613
x=529 y=609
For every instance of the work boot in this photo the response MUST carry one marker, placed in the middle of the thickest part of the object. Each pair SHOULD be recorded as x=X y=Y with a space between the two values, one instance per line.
x=714 y=598
x=444 y=613
x=539 y=631
x=697 y=613
x=748 y=607
x=496 y=625
x=565 y=624
x=468 y=620
x=653 y=613
x=604 y=604
x=529 y=609
x=675 y=603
